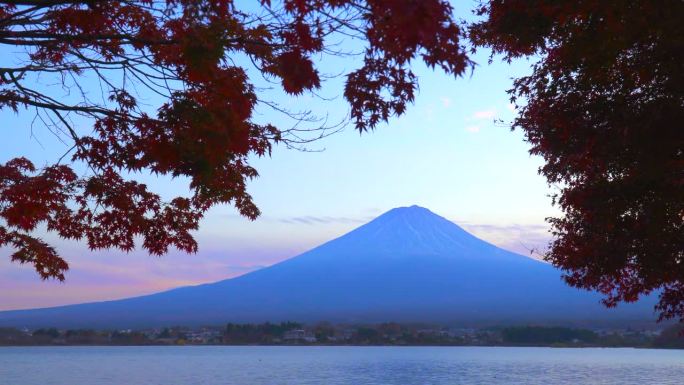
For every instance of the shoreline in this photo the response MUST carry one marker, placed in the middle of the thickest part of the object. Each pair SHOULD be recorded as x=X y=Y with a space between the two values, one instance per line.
x=348 y=345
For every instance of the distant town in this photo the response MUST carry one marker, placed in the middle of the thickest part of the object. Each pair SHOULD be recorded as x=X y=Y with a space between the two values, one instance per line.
x=394 y=334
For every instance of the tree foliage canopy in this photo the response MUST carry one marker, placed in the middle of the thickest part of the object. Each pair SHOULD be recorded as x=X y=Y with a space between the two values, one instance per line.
x=603 y=106
x=185 y=51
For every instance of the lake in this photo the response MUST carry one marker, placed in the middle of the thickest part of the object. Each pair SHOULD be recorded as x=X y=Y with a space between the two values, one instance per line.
x=291 y=365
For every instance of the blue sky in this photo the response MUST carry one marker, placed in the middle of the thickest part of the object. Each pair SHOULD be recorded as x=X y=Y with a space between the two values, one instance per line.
x=446 y=153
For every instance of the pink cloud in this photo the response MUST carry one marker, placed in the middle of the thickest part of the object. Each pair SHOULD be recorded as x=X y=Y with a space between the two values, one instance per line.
x=485 y=114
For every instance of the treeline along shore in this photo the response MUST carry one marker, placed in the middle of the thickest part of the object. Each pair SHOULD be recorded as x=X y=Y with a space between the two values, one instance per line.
x=384 y=334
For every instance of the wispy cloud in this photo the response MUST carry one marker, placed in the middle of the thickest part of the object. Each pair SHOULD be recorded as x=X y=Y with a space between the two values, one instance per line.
x=484 y=114
x=515 y=227
x=313 y=220
x=446 y=102
x=240 y=268
x=478 y=118
x=527 y=239
x=107 y=275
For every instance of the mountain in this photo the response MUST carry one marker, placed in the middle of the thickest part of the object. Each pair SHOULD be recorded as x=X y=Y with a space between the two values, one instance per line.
x=408 y=264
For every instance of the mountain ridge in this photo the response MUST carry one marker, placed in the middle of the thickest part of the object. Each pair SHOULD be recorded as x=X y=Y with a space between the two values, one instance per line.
x=408 y=264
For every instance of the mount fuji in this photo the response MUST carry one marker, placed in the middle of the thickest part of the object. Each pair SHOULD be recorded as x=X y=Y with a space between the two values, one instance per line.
x=408 y=265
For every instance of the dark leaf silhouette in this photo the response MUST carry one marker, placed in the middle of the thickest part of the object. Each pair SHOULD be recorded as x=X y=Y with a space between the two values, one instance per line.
x=186 y=51
x=604 y=107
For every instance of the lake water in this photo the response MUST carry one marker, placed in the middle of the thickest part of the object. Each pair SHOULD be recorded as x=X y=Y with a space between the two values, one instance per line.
x=265 y=365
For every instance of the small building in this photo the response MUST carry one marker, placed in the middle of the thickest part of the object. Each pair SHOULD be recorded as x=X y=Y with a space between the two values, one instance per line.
x=298 y=335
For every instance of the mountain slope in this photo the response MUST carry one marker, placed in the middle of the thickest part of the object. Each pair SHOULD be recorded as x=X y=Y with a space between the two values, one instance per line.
x=409 y=264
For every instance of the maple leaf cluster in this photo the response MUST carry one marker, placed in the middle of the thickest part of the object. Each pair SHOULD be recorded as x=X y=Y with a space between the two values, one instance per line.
x=604 y=107
x=186 y=51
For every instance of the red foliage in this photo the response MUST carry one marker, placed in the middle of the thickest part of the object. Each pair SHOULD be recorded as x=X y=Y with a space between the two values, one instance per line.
x=204 y=129
x=604 y=107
